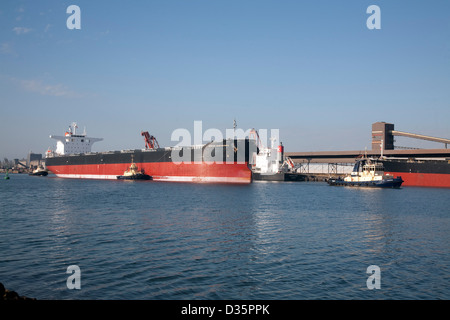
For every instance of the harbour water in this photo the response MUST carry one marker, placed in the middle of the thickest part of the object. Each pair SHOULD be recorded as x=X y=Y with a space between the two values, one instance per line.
x=264 y=241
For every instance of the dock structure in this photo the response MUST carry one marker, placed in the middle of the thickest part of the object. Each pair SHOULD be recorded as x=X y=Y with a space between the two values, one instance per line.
x=350 y=156
x=382 y=145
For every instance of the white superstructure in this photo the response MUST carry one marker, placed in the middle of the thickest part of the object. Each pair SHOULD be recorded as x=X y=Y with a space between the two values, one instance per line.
x=367 y=170
x=268 y=160
x=271 y=160
x=72 y=143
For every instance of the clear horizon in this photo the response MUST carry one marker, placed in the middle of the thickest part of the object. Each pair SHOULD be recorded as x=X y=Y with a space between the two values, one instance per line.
x=311 y=69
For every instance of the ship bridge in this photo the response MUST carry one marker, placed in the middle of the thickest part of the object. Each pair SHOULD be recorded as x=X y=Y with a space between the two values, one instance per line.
x=72 y=142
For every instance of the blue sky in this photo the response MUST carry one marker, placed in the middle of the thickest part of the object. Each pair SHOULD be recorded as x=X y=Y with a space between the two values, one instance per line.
x=311 y=69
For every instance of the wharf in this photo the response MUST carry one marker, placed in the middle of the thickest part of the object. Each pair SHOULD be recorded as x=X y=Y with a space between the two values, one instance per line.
x=322 y=176
x=383 y=134
x=298 y=177
x=15 y=170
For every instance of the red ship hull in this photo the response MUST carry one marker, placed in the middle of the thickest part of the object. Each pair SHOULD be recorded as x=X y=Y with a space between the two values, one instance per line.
x=420 y=172
x=161 y=171
x=424 y=179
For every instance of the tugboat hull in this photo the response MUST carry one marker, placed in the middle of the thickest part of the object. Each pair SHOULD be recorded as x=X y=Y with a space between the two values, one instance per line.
x=386 y=183
x=135 y=177
x=40 y=173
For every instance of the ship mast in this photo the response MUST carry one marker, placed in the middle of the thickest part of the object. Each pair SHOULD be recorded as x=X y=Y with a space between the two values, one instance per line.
x=74 y=128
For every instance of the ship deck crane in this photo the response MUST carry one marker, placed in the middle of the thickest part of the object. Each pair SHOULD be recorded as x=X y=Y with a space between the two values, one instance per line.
x=255 y=136
x=150 y=141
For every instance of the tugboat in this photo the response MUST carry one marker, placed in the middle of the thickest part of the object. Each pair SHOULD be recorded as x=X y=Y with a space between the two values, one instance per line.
x=132 y=173
x=368 y=173
x=40 y=171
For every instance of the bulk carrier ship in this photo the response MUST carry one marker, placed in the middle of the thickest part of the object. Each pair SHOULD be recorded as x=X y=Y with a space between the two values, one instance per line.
x=419 y=172
x=270 y=163
x=224 y=161
x=417 y=167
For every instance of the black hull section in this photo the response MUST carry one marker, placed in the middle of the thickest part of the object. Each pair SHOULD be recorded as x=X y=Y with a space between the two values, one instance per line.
x=417 y=166
x=135 y=177
x=225 y=151
x=43 y=173
x=278 y=177
x=387 y=183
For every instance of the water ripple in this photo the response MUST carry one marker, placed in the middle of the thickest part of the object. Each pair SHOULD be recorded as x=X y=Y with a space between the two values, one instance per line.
x=182 y=241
